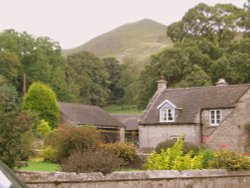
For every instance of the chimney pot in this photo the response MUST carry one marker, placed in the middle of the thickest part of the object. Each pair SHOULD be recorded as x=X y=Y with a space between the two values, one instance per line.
x=221 y=82
x=162 y=84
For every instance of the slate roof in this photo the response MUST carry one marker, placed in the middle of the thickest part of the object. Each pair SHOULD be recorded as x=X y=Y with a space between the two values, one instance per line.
x=191 y=101
x=86 y=114
x=130 y=121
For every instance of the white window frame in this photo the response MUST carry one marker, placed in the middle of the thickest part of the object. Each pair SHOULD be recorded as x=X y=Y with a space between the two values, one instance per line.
x=164 y=114
x=215 y=117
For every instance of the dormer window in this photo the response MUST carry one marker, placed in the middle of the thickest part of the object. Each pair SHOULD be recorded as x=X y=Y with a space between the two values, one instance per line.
x=166 y=112
x=167 y=115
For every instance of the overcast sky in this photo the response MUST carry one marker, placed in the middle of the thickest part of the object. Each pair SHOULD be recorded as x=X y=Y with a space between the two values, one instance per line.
x=73 y=22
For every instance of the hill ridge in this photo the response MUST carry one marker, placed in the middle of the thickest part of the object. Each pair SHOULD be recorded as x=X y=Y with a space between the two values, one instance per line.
x=136 y=39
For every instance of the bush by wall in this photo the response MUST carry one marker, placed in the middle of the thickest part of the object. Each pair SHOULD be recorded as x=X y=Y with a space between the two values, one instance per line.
x=91 y=161
x=66 y=140
x=187 y=147
x=230 y=160
x=173 y=159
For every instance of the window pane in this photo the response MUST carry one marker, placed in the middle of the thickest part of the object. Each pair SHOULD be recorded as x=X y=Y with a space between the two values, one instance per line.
x=170 y=115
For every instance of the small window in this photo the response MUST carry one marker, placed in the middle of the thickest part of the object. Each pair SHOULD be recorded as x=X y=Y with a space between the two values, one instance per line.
x=175 y=138
x=215 y=117
x=167 y=115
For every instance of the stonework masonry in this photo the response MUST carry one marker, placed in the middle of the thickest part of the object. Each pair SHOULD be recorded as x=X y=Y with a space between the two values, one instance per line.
x=139 y=179
x=150 y=136
x=232 y=131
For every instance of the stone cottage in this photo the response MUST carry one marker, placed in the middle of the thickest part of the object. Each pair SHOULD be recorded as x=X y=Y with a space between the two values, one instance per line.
x=216 y=115
x=80 y=114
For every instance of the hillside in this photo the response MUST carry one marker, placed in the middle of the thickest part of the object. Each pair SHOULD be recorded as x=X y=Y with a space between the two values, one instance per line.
x=139 y=39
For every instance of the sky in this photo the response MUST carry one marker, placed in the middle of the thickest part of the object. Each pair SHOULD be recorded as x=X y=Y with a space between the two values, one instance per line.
x=74 y=22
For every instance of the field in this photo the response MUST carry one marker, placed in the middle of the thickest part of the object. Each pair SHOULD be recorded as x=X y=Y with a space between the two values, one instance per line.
x=122 y=109
x=38 y=165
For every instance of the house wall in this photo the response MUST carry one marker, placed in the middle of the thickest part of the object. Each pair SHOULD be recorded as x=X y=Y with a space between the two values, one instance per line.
x=232 y=131
x=151 y=135
x=207 y=129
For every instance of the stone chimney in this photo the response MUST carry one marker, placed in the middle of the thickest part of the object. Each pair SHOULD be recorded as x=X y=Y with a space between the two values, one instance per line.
x=162 y=84
x=221 y=82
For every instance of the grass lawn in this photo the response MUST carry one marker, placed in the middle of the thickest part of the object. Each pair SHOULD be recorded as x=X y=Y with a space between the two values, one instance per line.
x=41 y=166
x=122 y=109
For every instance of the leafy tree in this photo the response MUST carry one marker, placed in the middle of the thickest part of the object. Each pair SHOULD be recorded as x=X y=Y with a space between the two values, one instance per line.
x=37 y=57
x=8 y=98
x=9 y=66
x=197 y=77
x=89 y=73
x=15 y=137
x=15 y=127
x=114 y=70
x=129 y=75
x=218 y=23
x=41 y=99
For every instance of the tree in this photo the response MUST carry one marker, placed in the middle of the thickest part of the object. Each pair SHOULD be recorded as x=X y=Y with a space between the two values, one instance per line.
x=15 y=127
x=89 y=73
x=41 y=99
x=114 y=70
x=218 y=23
x=37 y=57
x=15 y=137
x=9 y=66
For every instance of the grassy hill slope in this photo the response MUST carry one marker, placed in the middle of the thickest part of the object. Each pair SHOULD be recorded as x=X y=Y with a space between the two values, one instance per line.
x=139 y=39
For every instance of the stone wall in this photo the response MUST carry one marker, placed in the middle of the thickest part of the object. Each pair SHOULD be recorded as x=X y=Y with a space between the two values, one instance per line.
x=207 y=129
x=139 y=179
x=232 y=131
x=150 y=136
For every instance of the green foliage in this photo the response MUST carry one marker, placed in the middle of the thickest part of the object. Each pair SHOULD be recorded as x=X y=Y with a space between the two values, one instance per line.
x=9 y=97
x=127 y=152
x=114 y=70
x=15 y=137
x=41 y=99
x=43 y=129
x=218 y=23
x=186 y=148
x=9 y=66
x=230 y=160
x=91 y=161
x=37 y=57
x=164 y=145
x=89 y=73
x=173 y=159
x=66 y=140
x=50 y=154
x=207 y=156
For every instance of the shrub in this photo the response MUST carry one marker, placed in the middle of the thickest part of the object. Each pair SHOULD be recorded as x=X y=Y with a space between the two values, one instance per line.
x=207 y=157
x=230 y=160
x=50 y=155
x=165 y=145
x=173 y=159
x=187 y=147
x=66 y=140
x=41 y=99
x=16 y=137
x=91 y=161
x=43 y=129
x=127 y=152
